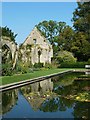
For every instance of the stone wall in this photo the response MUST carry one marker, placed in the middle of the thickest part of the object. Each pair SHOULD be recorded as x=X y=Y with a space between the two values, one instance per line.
x=12 y=46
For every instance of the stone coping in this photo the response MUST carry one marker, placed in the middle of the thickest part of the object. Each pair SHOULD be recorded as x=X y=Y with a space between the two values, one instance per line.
x=26 y=82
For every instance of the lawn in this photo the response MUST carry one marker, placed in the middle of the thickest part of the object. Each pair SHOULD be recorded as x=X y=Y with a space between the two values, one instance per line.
x=17 y=78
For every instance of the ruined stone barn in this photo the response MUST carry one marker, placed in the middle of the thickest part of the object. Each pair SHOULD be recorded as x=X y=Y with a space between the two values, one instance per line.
x=9 y=51
x=36 y=48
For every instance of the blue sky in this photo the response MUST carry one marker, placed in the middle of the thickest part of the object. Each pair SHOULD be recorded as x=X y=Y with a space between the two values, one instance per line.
x=21 y=17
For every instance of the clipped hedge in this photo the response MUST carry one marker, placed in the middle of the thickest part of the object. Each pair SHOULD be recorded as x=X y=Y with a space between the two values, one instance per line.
x=38 y=65
x=73 y=65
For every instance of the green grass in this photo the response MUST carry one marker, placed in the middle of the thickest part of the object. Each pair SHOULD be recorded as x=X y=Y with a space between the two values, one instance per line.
x=17 y=78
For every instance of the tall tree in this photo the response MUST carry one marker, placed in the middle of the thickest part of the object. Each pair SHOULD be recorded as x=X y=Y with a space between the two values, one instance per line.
x=80 y=47
x=81 y=18
x=81 y=42
x=65 y=39
x=50 y=29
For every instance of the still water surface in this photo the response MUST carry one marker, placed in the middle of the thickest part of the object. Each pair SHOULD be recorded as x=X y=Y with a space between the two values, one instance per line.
x=46 y=99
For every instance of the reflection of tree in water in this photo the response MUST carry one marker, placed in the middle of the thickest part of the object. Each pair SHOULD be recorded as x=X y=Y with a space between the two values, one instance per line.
x=56 y=104
x=67 y=85
x=61 y=104
x=9 y=99
x=74 y=89
x=65 y=80
x=81 y=110
x=49 y=97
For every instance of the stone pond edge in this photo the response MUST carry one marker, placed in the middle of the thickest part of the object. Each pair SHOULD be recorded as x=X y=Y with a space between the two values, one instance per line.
x=26 y=82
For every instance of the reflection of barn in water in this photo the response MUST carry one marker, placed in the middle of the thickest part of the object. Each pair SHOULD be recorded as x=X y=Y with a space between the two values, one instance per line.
x=9 y=99
x=37 y=92
x=42 y=86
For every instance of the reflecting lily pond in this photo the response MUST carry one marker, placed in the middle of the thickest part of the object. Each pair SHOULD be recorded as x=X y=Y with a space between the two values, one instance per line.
x=57 y=97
